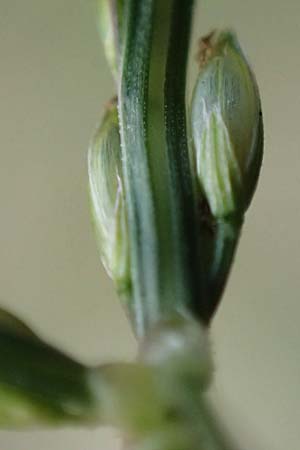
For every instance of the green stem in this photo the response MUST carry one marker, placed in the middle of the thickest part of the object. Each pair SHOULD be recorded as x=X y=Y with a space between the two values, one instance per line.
x=158 y=184
x=187 y=271
x=225 y=242
x=214 y=436
x=133 y=105
x=219 y=243
x=41 y=386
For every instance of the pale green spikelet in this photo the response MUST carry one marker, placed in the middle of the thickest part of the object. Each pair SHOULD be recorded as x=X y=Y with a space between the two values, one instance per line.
x=226 y=126
x=110 y=13
x=107 y=198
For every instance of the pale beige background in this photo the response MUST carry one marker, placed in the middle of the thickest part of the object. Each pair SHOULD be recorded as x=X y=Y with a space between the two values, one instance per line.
x=53 y=84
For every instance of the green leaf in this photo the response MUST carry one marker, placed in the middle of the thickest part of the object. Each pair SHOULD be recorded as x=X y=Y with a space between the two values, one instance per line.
x=39 y=384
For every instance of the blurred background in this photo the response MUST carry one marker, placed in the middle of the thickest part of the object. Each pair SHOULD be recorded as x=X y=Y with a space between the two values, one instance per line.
x=54 y=82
